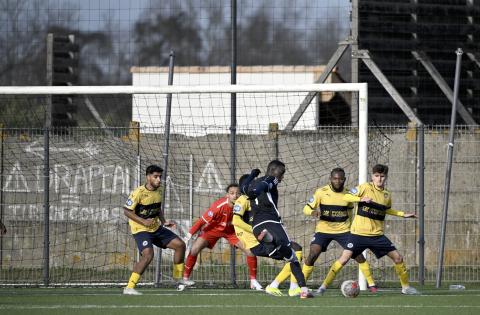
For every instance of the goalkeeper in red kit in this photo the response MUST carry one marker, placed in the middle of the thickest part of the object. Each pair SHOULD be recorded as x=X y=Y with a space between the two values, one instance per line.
x=214 y=224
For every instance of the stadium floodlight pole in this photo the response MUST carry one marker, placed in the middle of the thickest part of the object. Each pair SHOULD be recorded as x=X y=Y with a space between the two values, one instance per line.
x=233 y=121
x=448 y=172
x=166 y=145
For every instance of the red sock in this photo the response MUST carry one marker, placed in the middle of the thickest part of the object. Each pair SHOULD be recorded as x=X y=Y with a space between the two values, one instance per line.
x=189 y=264
x=252 y=266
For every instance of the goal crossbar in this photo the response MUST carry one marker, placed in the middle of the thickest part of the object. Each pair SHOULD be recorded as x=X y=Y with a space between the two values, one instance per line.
x=180 y=89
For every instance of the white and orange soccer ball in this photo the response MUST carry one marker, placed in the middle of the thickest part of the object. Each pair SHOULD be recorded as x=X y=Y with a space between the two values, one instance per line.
x=350 y=288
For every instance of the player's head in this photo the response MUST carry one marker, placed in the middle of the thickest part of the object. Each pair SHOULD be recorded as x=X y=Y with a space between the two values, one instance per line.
x=276 y=168
x=337 y=179
x=379 y=175
x=154 y=175
x=233 y=192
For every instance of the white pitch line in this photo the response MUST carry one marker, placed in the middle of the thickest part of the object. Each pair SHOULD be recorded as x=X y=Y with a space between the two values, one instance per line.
x=144 y=293
x=102 y=306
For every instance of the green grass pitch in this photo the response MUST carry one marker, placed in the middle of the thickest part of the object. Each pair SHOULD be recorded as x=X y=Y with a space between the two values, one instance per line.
x=93 y=301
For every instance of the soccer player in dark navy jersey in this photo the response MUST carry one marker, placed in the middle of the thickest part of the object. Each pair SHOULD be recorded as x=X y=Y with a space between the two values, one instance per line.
x=267 y=222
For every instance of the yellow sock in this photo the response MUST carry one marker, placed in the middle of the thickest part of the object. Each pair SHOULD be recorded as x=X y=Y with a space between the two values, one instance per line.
x=284 y=273
x=402 y=274
x=178 y=270
x=132 y=282
x=365 y=269
x=307 y=271
x=299 y=257
x=332 y=273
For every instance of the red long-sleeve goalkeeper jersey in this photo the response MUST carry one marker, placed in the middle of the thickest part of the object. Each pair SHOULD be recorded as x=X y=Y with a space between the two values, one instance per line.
x=218 y=218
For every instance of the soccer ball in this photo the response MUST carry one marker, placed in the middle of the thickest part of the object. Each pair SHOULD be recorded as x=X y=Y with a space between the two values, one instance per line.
x=350 y=289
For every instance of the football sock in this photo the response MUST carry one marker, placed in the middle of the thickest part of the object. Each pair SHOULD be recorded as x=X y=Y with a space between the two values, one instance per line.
x=365 y=269
x=134 y=278
x=299 y=257
x=307 y=271
x=332 y=273
x=284 y=274
x=178 y=270
x=297 y=272
x=402 y=273
x=293 y=284
x=189 y=263
x=252 y=266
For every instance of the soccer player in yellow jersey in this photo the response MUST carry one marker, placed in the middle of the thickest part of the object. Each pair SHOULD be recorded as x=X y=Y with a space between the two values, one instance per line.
x=148 y=226
x=334 y=216
x=242 y=219
x=374 y=202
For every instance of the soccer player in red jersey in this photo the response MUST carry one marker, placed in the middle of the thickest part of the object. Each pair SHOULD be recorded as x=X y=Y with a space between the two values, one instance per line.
x=214 y=224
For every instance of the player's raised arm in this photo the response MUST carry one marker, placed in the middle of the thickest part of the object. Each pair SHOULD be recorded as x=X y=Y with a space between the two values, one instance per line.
x=248 y=180
x=264 y=184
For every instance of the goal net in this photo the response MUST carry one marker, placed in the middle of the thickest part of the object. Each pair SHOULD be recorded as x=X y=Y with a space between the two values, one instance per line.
x=92 y=170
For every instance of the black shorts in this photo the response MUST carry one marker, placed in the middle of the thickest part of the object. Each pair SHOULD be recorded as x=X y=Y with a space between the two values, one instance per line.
x=159 y=238
x=277 y=230
x=266 y=250
x=324 y=239
x=379 y=245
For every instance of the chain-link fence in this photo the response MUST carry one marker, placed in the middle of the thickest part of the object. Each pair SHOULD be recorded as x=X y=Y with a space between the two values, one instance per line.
x=91 y=173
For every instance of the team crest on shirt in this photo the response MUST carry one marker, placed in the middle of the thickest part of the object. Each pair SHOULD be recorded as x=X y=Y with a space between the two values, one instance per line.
x=237 y=208
x=350 y=245
x=311 y=200
x=353 y=191
x=145 y=243
x=210 y=213
x=129 y=202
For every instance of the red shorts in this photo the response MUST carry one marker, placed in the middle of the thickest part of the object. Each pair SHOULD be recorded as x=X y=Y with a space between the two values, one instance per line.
x=213 y=237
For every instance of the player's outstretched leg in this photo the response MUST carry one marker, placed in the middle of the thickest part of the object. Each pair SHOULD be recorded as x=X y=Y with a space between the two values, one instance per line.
x=138 y=269
x=367 y=273
x=294 y=289
x=252 y=269
x=402 y=273
x=334 y=269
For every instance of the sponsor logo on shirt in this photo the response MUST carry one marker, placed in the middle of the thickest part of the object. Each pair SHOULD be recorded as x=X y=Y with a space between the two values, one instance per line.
x=237 y=208
x=353 y=191
x=129 y=202
x=311 y=200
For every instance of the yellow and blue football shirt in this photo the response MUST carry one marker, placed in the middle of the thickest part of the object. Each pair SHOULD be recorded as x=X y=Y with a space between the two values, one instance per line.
x=242 y=220
x=146 y=204
x=334 y=211
x=369 y=217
